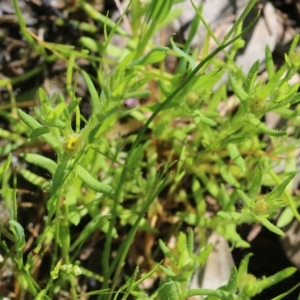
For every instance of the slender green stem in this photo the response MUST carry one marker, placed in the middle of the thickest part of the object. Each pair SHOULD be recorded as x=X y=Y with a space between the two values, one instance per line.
x=21 y=78
x=245 y=12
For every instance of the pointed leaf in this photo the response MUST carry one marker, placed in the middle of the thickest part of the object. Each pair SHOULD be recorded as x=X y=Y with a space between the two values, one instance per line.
x=271 y=86
x=154 y=56
x=269 y=62
x=265 y=283
x=203 y=255
x=168 y=252
x=246 y=200
x=227 y=176
x=243 y=267
x=5 y=166
x=251 y=77
x=262 y=127
x=93 y=183
x=93 y=92
x=278 y=191
x=33 y=124
x=236 y=156
x=190 y=241
x=200 y=117
x=256 y=182
x=231 y=286
x=237 y=89
x=269 y=225
x=182 y=54
x=41 y=161
x=285 y=217
x=38 y=132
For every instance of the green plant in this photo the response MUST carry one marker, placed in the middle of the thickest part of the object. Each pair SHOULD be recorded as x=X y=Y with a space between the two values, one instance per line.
x=241 y=285
x=118 y=181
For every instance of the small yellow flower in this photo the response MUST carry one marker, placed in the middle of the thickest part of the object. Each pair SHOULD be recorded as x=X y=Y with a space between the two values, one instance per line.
x=192 y=99
x=257 y=106
x=72 y=143
x=261 y=208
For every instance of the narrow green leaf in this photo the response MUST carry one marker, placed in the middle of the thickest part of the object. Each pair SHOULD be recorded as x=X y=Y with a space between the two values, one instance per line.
x=18 y=232
x=54 y=274
x=102 y=19
x=41 y=295
x=205 y=82
x=160 y=9
x=28 y=120
x=251 y=77
x=39 y=181
x=262 y=127
x=190 y=241
x=229 y=231
x=58 y=111
x=269 y=225
x=285 y=218
x=265 y=283
x=91 y=44
x=59 y=175
x=238 y=90
x=269 y=62
x=43 y=97
x=225 y=200
x=279 y=190
x=170 y=290
x=236 y=156
x=227 y=175
x=181 y=242
x=215 y=294
x=154 y=56
x=124 y=62
x=182 y=54
x=137 y=9
x=243 y=267
x=149 y=274
x=200 y=117
x=294 y=44
x=41 y=161
x=246 y=200
x=93 y=92
x=38 y=132
x=272 y=85
x=33 y=124
x=136 y=157
x=203 y=255
x=130 y=282
x=92 y=183
x=63 y=237
x=255 y=182
x=167 y=252
x=231 y=216
x=231 y=286
x=5 y=166
x=137 y=94
x=73 y=105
